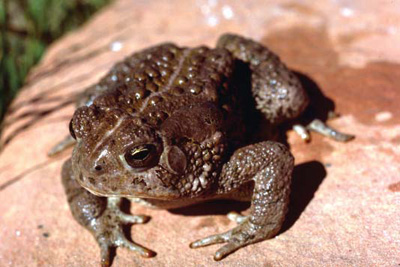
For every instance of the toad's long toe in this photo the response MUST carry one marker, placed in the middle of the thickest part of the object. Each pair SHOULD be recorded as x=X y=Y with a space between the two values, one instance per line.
x=236 y=217
x=210 y=240
x=106 y=245
x=226 y=250
x=233 y=244
x=240 y=236
x=133 y=219
x=320 y=127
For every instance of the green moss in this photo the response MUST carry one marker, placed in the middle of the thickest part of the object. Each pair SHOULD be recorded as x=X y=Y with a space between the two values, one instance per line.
x=27 y=27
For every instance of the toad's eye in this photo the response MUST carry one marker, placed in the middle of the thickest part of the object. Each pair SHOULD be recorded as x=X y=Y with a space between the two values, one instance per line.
x=71 y=130
x=141 y=156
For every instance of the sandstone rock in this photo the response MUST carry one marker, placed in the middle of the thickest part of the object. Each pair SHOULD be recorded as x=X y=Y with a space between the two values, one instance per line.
x=346 y=197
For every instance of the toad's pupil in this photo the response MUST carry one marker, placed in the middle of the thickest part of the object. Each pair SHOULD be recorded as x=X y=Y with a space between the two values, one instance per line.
x=139 y=154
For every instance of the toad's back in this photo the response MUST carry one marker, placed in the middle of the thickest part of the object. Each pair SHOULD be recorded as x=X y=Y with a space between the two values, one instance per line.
x=153 y=83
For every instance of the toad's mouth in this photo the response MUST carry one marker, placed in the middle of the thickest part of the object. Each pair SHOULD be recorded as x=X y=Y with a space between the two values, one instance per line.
x=102 y=194
x=140 y=189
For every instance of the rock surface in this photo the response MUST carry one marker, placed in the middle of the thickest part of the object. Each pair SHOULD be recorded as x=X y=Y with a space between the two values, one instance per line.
x=346 y=197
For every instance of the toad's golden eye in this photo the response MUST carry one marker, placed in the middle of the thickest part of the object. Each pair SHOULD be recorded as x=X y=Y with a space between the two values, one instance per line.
x=141 y=156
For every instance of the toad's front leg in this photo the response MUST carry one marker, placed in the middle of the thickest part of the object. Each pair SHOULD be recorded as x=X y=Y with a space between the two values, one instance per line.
x=269 y=165
x=101 y=216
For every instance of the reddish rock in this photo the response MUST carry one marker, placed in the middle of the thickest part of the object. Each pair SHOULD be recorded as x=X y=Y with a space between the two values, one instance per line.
x=345 y=200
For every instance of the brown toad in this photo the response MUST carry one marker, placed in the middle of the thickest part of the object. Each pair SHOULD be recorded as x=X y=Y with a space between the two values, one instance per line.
x=170 y=126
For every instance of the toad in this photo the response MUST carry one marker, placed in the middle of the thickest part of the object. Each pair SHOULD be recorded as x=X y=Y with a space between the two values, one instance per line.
x=172 y=126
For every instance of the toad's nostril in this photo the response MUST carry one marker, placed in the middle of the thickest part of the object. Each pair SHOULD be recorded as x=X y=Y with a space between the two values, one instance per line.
x=98 y=168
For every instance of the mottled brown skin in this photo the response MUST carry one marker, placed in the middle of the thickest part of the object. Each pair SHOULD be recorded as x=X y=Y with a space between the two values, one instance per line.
x=169 y=127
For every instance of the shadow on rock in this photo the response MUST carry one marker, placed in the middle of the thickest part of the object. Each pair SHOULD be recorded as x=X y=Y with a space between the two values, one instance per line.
x=215 y=207
x=320 y=105
x=307 y=177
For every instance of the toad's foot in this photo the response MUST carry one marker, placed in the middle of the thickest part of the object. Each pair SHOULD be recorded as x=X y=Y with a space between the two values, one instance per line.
x=236 y=217
x=242 y=235
x=61 y=146
x=101 y=216
x=107 y=229
x=322 y=128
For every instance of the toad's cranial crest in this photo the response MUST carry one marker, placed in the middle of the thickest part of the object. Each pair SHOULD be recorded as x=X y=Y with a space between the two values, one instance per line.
x=172 y=126
x=107 y=135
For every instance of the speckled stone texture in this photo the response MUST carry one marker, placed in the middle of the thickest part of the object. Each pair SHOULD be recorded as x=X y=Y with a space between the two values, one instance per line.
x=346 y=197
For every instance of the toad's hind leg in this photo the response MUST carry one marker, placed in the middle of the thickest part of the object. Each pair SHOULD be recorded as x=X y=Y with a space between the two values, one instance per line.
x=278 y=93
x=102 y=217
x=269 y=165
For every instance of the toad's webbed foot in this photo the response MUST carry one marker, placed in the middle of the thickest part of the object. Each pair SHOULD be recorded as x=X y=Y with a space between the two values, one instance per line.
x=320 y=127
x=244 y=234
x=107 y=229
